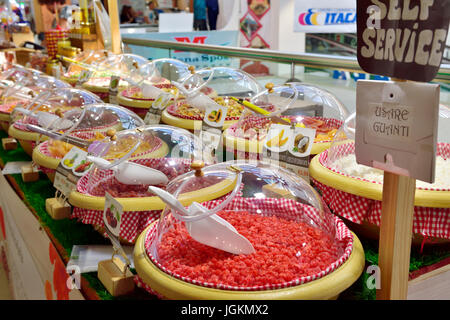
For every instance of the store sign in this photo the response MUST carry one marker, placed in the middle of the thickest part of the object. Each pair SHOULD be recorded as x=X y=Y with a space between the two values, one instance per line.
x=198 y=60
x=324 y=16
x=397 y=127
x=402 y=39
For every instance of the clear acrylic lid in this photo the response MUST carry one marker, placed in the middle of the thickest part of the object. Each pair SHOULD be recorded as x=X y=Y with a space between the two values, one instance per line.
x=51 y=102
x=161 y=71
x=120 y=65
x=305 y=105
x=20 y=81
x=160 y=150
x=216 y=209
x=94 y=122
x=155 y=77
x=224 y=81
x=85 y=59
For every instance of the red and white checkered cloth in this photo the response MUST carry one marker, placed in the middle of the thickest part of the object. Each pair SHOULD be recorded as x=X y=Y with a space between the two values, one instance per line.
x=431 y=222
x=287 y=208
x=133 y=222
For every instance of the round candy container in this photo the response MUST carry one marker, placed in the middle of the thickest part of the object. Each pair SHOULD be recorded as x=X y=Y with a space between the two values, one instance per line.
x=94 y=122
x=270 y=237
x=300 y=104
x=121 y=65
x=20 y=84
x=150 y=81
x=220 y=84
x=354 y=191
x=81 y=62
x=136 y=159
x=42 y=111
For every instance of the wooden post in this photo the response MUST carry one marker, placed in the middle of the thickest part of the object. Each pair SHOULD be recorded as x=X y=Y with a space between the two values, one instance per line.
x=116 y=42
x=397 y=216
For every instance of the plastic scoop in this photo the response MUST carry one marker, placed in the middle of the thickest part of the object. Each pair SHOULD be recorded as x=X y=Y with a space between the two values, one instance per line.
x=195 y=97
x=47 y=120
x=206 y=227
x=128 y=172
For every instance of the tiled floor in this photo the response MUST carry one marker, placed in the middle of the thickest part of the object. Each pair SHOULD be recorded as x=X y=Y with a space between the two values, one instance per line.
x=4 y=288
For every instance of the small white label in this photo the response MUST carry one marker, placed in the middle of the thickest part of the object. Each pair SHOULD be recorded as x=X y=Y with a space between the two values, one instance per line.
x=153 y=115
x=63 y=184
x=289 y=147
x=113 y=88
x=76 y=161
x=112 y=215
x=15 y=167
x=84 y=76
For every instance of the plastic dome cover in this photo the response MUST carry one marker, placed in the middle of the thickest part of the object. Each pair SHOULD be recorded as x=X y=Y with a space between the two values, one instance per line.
x=341 y=155
x=158 y=153
x=262 y=220
x=120 y=65
x=158 y=75
x=94 y=122
x=83 y=60
x=219 y=84
x=305 y=105
x=22 y=80
x=43 y=109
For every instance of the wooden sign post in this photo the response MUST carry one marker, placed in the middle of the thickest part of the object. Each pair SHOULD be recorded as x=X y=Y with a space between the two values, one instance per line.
x=116 y=42
x=396 y=127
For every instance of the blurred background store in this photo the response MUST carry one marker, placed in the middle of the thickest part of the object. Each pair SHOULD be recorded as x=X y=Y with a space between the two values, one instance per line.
x=287 y=26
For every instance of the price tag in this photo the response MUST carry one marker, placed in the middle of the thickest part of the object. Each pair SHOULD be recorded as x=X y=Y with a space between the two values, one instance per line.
x=397 y=127
x=63 y=185
x=113 y=89
x=290 y=148
x=112 y=216
x=212 y=125
x=153 y=115
x=84 y=76
x=71 y=168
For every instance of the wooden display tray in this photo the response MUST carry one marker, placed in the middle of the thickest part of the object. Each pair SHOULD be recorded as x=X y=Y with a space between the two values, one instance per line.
x=326 y=288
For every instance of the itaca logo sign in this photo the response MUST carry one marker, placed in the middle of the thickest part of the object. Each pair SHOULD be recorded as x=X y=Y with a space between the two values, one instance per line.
x=317 y=16
x=327 y=16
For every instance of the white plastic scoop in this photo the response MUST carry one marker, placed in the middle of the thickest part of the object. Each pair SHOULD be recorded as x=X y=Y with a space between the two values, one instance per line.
x=195 y=97
x=149 y=91
x=206 y=227
x=47 y=120
x=132 y=173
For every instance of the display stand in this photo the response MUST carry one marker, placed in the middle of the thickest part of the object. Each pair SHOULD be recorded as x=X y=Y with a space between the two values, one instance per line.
x=395 y=235
x=116 y=42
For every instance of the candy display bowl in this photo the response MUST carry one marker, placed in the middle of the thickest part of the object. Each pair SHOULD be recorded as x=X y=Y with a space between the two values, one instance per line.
x=271 y=237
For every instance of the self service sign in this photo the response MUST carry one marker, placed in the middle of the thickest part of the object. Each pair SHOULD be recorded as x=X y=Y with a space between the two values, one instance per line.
x=402 y=38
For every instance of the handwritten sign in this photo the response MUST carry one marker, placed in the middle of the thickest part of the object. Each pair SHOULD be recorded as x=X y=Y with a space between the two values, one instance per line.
x=397 y=127
x=402 y=38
